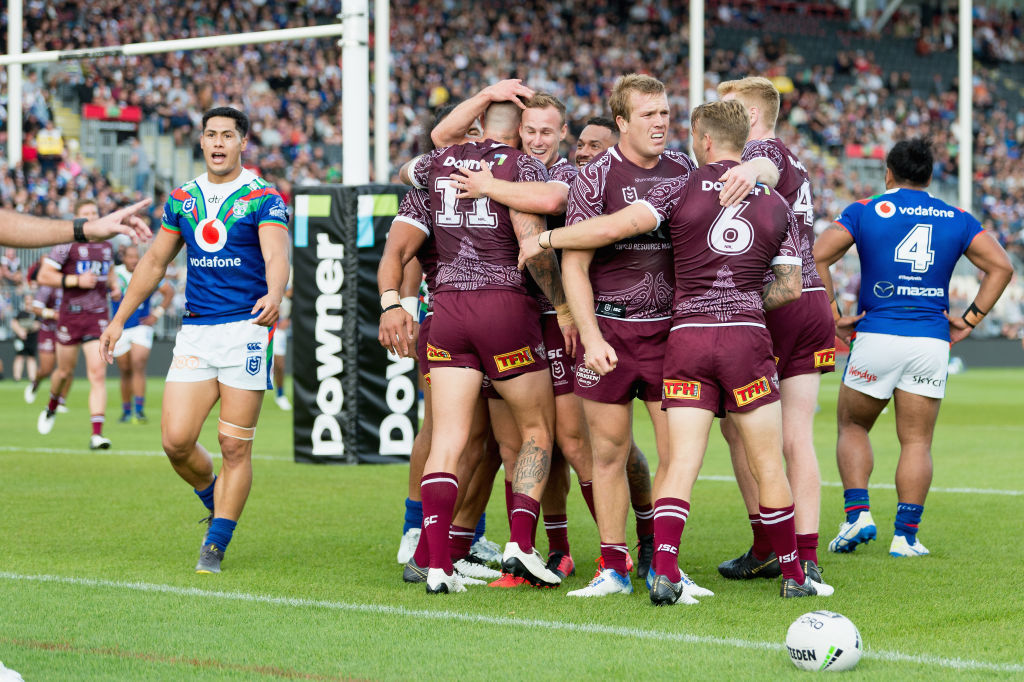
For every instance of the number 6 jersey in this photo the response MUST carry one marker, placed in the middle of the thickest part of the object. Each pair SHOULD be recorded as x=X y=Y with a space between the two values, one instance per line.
x=477 y=247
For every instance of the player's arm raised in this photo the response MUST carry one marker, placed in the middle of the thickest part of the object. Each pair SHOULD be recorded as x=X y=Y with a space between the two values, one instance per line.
x=397 y=331
x=592 y=233
x=545 y=271
x=453 y=128
x=989 y=257
x=151 y=269
x=785 y=288
x=545 y=198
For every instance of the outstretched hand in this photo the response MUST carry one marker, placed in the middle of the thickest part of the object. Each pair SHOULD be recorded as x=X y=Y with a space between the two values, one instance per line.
x=124 y=221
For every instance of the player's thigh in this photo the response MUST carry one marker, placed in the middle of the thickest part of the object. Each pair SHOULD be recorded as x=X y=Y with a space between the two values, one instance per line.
x=505 y=431
x=915 y=417
x=799 y=402
x=186 y=405
x=95 y=366
x=571 y=431
x=688 y=429
x=454 y=395
x=857 y=409
x=67 y=357
x=761 y=432
x=139 y=356
x=239 y=406
x=611 y=431
x=530 y=398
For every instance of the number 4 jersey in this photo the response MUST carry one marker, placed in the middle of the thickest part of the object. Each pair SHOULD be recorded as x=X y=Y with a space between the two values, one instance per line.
x=477 y=246
x=908 y=243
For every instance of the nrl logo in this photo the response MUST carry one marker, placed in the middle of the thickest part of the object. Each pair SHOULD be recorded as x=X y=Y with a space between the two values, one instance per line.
x=629 y=194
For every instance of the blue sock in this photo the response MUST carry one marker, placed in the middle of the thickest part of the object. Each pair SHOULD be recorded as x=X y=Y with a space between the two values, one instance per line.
x=908 y=518
x=856 y=500
x=127 y=407
x=481 y=527
x=207 y=495
x=280 y=391
x=140 y=404
x=413 y=515
x=220 y=533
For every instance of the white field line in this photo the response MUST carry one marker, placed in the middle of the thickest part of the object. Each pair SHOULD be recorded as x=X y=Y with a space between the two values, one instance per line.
x=272 y=458
x=500 y=621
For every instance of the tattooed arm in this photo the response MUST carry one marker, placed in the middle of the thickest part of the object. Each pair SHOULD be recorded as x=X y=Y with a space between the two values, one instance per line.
x=785 y=288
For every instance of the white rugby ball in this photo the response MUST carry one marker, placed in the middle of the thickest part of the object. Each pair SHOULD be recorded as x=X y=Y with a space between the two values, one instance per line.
x=824 y=640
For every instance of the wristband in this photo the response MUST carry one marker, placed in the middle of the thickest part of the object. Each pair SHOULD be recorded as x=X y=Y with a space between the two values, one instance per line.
x=159 y=312
x=79 y=226
x=411 y=305
x=540 y=241
x=388 y=298
x=63 y=281
x=391 y=307
x=563 y=314
x=973 y=315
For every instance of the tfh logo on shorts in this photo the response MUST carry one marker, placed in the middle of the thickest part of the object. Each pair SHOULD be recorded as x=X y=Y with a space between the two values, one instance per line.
x=677 y=389
x=825 y=358
x=255 y=359
x=517 y=358
x=438 y=354
x=752 y=391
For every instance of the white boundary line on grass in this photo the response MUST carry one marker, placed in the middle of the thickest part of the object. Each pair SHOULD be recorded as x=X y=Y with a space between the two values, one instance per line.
x=271 y=458
x=501 y=621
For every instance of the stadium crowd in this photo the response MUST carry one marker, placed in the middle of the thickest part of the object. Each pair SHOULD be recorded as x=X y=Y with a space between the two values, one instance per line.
x=442 y=53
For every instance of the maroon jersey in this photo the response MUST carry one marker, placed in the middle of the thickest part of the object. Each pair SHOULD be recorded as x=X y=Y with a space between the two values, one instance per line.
x=415 y=210
x=476 y=243
x=632 y=278
x=721 y=253
x=48 y=297
x=78 y=259
x=795 y=187
x=564 y=173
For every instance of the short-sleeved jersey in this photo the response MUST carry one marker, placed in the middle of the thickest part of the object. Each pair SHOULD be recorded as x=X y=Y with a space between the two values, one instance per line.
x=632 y=278
x=48 y=297
x=124 y=278
x=721 y=253
x=795 y=187
x=476 y=243
x=562 y=172
x=220 y=225
x=908 y=243
x=415 y=210
x=78 y=259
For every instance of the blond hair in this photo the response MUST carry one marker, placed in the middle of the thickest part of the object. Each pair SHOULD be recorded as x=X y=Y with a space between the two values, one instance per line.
x=755 y=91
x=632 y=82
x=543 y=100
x=727 y=123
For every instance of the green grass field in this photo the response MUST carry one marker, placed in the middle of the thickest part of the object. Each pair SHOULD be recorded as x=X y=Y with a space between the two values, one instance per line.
x=96 y=577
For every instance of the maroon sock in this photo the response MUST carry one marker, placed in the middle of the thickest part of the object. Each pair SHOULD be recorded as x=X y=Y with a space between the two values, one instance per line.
x=780 y=527
x=459 y=541
x=761 y=547
x=644 y=520
x=614 y=556
x=438 y=492
x=587 y=488
x=508 y=502
x=97 y=424
x=525 y=511
x=670 y=514
x=557 y=528
x=51 y=407
x=807 y=546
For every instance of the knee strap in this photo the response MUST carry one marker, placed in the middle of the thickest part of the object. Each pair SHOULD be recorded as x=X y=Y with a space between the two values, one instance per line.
x=229 y=430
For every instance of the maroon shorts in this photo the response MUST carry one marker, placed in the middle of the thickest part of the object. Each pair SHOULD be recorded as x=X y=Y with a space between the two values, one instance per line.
x=421 y=348
x=563 y=369
x=720 y=368
x=494 y=331
x=803 y=335
x=80 y=327
x=47 y=339
x=640 y=348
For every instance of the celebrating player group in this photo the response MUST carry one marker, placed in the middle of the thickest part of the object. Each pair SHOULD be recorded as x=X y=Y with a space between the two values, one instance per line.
x=560 y=293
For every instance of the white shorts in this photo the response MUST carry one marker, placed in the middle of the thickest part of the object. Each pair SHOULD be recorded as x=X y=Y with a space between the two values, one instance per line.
x=139 y=335
x=281 y=342
x=880 y=363
x=233 y=353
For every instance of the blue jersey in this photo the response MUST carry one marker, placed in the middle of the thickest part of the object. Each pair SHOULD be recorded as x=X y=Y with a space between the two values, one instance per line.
x=908 y=242
x=220 y=225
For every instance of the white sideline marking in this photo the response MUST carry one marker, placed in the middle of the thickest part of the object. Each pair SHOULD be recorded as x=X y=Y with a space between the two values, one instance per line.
x=501 y=621
x=272 y=458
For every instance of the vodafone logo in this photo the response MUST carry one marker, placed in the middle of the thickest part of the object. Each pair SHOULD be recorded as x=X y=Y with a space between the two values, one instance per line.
x=885 y=209
x=211 y=235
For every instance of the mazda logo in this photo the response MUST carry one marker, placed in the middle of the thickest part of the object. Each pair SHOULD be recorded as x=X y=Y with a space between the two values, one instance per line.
x=884 y=289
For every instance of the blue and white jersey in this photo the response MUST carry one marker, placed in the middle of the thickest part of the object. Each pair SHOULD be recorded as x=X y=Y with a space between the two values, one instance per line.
x=220 y=224
x=123 y=279
x=908 y=242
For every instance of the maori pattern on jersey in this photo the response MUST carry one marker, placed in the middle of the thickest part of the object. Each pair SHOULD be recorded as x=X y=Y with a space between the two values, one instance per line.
x=762 y=148
x=808 y=270
x=663 y=196
x=468 y=272
x=647 y=298
x=722 y=300
x=586 y=193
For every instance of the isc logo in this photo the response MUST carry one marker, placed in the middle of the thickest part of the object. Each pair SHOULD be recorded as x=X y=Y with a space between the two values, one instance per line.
x=517 y=358
x=677 y=389
x=671 y=549
x=752 y=391
x=438 y=354
x=825 y=358
x=429 y=520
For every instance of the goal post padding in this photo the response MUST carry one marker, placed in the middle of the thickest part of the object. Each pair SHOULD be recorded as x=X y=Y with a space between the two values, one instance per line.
x=354 y=403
